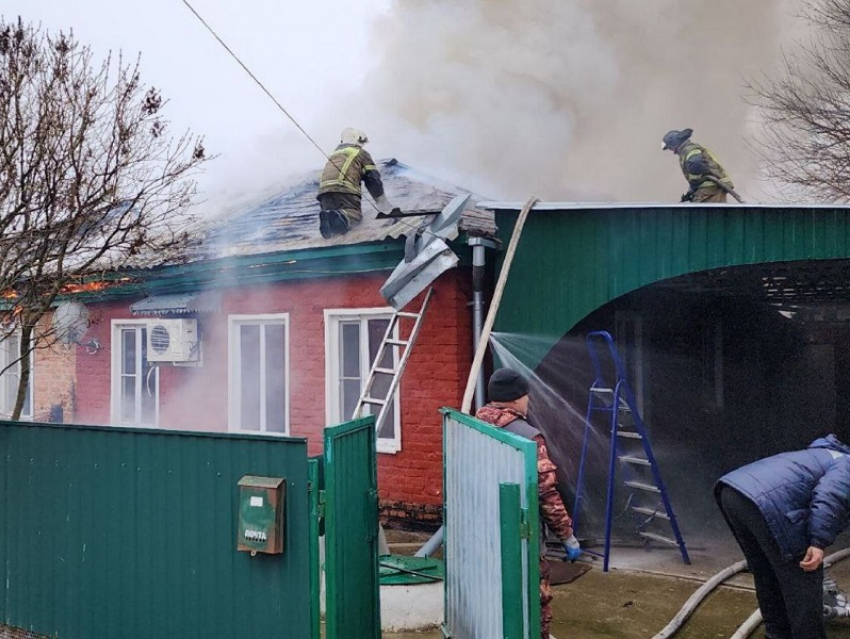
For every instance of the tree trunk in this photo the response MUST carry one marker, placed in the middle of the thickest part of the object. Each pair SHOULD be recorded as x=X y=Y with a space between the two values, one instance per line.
x=24 y=378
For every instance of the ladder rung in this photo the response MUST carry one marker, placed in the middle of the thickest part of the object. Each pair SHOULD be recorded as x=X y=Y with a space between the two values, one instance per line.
x=661 y=538
x=634 y=460
x=385 y=371
x=396 y=342
x=652 y=512
x=408 y=314
x=373 y=400
x=641 y=486
x=601 y=391
x=629 y=433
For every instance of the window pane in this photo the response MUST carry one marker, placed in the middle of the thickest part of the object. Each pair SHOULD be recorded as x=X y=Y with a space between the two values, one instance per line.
x=381 y=386
x=10 y=387
x=275 y=378
x=349 y=349
x=249 y=376
x=128 y=399
x=150 y=381
x=128 y=350
x=350 y=391
x=147 y=387
x=387 y=430
x=27 y=411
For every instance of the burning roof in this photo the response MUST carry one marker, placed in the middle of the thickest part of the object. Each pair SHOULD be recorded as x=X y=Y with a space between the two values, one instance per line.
x=290 y=219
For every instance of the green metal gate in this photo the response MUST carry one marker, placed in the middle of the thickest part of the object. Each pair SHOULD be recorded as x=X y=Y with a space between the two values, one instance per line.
x=351 y=527
x=491 y=535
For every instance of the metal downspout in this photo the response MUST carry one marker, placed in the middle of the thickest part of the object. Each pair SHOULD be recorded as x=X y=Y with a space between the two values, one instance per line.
x=478 y=311
x=478 y=245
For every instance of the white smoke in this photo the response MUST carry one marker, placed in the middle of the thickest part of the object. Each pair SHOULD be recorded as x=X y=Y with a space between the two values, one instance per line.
x=566 y=99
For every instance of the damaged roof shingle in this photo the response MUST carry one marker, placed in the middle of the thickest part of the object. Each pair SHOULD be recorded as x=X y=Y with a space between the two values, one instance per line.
x=290 y=219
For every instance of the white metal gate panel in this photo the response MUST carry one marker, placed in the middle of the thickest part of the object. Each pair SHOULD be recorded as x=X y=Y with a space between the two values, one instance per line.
x=478 y=458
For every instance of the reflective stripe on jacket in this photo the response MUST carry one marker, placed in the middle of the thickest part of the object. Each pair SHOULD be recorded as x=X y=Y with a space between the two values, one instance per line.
x=697 y=163
x=347 y=167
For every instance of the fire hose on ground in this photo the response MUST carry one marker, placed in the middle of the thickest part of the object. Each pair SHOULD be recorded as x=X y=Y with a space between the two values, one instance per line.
x=839 y=607
x=696 y=599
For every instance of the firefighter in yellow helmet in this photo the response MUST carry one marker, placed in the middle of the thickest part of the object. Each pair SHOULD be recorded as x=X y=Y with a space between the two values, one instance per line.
x=706 y=177
x=339 y=187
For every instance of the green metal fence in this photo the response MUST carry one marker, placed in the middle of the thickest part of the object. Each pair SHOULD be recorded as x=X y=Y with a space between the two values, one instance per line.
x=574 y=259
x=491 y=531
x=112 y=532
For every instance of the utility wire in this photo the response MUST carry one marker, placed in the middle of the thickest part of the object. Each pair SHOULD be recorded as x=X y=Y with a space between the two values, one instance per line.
x=255 y=79
x=288 y=115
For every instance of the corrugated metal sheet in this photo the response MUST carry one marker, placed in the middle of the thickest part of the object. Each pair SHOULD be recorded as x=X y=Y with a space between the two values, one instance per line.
x=178 y=303
x=571 y=261
x=108 y=532
x=478 y=458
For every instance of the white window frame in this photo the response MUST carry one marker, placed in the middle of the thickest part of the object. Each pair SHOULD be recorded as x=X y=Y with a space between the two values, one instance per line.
x=332 y=367
x=115 y=386
x=234 y=374
x=5 y=358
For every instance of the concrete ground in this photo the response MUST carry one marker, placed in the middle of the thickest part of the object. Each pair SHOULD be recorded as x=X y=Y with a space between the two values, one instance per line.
x=644 y=590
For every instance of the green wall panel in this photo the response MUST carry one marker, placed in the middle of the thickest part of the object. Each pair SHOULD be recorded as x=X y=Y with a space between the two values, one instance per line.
x=570 y=262
x=113 y=532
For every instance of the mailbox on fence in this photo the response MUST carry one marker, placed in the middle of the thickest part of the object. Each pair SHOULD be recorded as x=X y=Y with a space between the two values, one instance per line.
x=262 y=501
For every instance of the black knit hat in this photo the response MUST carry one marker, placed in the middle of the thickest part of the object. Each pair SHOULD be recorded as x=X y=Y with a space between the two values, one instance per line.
x=506 y=385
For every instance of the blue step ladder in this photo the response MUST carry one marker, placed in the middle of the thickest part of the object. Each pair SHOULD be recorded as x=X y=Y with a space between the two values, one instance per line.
x=648 y=501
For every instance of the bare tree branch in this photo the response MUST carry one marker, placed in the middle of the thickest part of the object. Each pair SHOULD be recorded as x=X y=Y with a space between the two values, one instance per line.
x=91 y=180
x=805 y=140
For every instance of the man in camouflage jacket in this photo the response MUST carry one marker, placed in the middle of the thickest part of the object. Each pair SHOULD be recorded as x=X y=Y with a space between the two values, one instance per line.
x=508 y=407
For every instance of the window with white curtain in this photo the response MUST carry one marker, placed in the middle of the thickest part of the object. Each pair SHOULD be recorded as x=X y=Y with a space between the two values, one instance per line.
x=352 y=340
x=258 y=373
x=135 y=382
x=10 y=376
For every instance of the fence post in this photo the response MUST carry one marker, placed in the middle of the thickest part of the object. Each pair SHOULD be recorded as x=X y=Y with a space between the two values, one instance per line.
x=510 y=525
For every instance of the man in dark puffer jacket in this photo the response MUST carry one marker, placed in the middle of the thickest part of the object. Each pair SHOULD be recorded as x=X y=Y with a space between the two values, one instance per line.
x=785 y=511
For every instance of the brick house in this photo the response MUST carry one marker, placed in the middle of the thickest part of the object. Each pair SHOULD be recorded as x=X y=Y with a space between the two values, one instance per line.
x=288 y=324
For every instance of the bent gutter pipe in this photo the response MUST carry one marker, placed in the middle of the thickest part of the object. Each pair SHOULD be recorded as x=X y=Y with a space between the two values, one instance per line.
x=478 y=245
x=754 y=620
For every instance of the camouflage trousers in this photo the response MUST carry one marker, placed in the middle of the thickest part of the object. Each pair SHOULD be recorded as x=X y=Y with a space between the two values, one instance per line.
x=345 y=203
x=545 y=599
x=709 y=194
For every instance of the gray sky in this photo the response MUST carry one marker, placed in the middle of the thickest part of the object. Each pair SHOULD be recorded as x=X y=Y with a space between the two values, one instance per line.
x=564 y=99
x=306 y=53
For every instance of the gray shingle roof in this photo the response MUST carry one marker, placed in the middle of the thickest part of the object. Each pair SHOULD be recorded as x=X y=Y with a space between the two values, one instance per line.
x=290 y=219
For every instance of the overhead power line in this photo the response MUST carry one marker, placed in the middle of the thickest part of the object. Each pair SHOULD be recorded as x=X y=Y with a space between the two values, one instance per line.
x=415 y=227
x=255 y=79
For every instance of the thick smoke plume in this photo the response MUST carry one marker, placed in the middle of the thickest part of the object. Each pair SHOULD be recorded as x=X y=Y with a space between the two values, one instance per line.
x=566 y=99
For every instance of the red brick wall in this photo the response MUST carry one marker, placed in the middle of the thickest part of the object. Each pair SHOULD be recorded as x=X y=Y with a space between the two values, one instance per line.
x=410 y=481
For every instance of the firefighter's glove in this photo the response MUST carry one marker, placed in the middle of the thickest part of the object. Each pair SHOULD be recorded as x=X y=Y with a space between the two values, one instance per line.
x=687 y=197
x=573 y=548
x=383 y=204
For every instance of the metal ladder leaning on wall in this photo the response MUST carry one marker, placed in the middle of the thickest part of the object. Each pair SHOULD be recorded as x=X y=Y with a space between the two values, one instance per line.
x=648 y=500
x=399 y=362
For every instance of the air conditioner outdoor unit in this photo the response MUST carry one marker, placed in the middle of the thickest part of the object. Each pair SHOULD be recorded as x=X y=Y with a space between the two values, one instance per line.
x=172 y=340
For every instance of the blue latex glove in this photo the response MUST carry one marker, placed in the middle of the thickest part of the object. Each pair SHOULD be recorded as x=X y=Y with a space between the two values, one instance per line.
x=573 y=549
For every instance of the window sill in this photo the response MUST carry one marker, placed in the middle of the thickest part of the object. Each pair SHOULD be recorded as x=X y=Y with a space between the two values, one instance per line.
x=387 y=447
